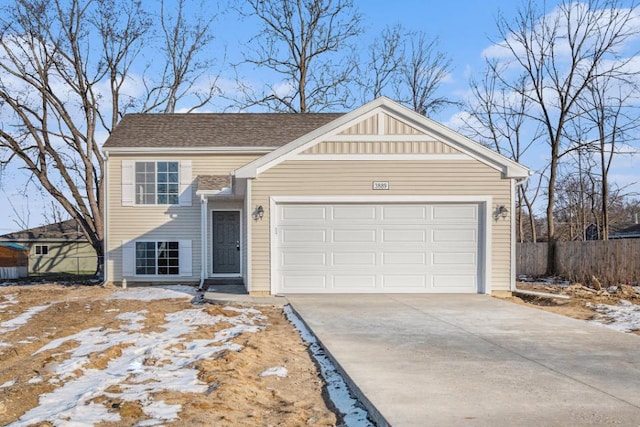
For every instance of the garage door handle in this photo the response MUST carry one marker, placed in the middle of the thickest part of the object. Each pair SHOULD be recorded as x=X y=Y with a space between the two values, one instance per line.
x=238 y=245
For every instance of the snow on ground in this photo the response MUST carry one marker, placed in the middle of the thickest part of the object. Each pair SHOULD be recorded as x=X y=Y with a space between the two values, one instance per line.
x=148 y=363
x=16 y=322
x=278 y=371
x=156 y=293
x=624 y=317
x=8 y=301
x=353 y=414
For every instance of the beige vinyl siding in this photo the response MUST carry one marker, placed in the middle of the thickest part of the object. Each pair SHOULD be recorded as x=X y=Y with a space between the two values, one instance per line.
x=415 y=178
x=127 y=223
x=368 y=126
x=62 y=258
x=371 y=126
x=382 y=147
x=394 y=126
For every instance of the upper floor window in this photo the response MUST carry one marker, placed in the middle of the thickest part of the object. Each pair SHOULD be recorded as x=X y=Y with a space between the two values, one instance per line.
x=157 y=183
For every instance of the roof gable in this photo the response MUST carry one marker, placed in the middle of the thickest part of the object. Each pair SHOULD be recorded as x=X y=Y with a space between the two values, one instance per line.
x=384 y=120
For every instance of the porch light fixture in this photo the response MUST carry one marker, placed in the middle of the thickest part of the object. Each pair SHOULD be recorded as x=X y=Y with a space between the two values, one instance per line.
x=501 y=212
x=258 y=213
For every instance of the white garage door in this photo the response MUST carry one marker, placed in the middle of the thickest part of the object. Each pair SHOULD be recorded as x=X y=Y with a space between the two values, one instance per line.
x=353 y=248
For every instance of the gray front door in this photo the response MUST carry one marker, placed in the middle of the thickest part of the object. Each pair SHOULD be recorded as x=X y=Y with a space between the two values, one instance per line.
x=226 y=242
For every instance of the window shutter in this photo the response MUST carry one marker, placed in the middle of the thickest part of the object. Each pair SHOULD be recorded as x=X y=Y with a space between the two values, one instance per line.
x=186 y=263
x=128 y=182
x=185 y=183
x=128 y=258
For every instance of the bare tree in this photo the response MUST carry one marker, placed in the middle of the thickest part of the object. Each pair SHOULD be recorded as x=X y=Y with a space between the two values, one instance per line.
x=298 y=41
x=380 y=71
x=424 y=69
x=497 y=119
x=561 y=54
x=607 y=108
x=53 y=101
x=184 y=46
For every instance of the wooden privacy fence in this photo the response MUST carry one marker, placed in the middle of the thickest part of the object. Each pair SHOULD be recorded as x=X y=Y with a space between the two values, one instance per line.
x=611 y=261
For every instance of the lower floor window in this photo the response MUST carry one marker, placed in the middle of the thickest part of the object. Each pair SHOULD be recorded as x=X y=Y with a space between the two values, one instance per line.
x=157 y=258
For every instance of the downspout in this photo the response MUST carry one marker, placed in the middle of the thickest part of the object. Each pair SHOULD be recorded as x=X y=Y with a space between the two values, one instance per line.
x=203 y=240
x=105 y=218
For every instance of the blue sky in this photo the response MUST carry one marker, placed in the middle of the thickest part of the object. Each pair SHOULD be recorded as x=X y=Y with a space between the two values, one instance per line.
x=465 y=29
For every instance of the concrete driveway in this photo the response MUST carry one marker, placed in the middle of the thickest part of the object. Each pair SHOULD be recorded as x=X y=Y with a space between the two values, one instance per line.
x=447 y=360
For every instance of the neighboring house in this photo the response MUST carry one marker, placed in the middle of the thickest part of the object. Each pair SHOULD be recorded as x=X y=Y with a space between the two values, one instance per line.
x=13 y=260
x=380 y=199
x=56 y=248
x=631 y=232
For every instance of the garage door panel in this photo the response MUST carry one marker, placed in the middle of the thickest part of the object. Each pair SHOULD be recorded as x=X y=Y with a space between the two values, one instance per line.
x=294 y=235
x=455 y=213
x=404 y=236
x=378 y=248
x=301 y=259
x=454 y=258
x=454 y=235
x=302 y=282
x=404 y=258
x=460 y=281
x=354 y=213
x=346 y=282
x=354 y=258
x=306 y=213
x=392 y=213
x=354 y=236
x=404 y=281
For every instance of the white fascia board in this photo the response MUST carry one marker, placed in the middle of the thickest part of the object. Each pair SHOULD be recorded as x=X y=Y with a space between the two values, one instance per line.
x=189 y=150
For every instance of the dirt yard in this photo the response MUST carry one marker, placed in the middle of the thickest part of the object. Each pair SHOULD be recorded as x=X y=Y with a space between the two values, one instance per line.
x=108 y=357
x=617 y=306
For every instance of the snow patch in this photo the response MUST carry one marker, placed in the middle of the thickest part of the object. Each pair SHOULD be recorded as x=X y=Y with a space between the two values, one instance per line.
x=353 y=414
x=16 y=322
x=154 y=293
x=8 y=384
x=8 y=300
x=279 y=371
x=624 y=317
x=148 y=363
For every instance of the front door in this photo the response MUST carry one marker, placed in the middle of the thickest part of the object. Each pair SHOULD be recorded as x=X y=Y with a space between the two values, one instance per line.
x=226 y=242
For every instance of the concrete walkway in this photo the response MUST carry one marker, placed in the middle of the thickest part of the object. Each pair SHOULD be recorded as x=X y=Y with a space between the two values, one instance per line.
x=473 y=360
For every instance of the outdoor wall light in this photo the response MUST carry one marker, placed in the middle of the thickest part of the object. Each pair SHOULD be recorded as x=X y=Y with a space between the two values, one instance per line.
x=501 y=212
x=258 y=213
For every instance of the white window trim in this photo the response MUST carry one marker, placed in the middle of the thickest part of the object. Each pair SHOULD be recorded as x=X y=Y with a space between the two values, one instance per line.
x=185 y=259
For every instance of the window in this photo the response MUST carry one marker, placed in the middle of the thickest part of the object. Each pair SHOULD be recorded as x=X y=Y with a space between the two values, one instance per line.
x=157 y=183
x=157 y=258
x=42 y=249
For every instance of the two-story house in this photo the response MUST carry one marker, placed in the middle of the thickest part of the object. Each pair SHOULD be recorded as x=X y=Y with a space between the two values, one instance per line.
x=380 y=199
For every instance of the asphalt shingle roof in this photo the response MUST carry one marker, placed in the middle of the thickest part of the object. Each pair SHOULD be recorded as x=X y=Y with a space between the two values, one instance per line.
x=213 y=182
x=65 y=230
x=214 y=130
